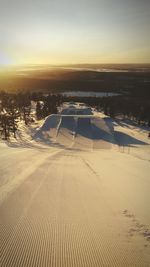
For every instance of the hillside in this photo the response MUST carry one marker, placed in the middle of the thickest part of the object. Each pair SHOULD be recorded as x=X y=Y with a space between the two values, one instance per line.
x=74 y=191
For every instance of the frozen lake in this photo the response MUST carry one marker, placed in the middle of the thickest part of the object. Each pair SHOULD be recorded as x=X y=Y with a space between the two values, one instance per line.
x=89 y=94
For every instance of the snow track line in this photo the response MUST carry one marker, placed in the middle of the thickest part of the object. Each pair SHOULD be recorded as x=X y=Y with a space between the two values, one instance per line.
x=14 y=184
x=91 y=169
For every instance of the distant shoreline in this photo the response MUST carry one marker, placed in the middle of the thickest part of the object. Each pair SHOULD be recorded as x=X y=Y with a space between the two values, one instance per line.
x=131 y=67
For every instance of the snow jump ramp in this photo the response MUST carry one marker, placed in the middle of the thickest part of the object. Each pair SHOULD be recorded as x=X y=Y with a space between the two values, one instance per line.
x=77 y=131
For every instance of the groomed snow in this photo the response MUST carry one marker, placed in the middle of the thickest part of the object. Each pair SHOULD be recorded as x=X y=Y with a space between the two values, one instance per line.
x=75 y=191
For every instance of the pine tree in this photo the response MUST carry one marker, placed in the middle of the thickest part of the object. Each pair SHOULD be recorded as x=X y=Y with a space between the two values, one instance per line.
x=39 y=112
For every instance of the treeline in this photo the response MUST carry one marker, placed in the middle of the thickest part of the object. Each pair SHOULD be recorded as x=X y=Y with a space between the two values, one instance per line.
x=19 y=106
x=136 y=109
x=13 y=107
x=128 y=107
x=16 y=107
x=47 y=104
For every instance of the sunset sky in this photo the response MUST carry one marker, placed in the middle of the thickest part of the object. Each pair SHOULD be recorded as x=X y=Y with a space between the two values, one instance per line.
x=69 y=31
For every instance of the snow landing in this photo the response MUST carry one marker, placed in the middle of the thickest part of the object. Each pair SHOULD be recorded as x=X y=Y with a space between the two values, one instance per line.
x=76 y=127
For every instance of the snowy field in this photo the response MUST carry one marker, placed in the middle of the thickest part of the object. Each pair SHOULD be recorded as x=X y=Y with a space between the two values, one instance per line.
x=75 y=191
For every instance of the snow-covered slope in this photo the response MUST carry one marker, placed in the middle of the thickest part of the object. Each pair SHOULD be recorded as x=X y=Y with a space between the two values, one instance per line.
x=65 y=201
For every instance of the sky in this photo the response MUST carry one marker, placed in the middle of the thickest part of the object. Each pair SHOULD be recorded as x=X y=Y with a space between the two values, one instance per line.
x=74 y=31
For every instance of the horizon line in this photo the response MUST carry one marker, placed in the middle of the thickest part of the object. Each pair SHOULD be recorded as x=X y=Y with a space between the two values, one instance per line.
x=69 y=64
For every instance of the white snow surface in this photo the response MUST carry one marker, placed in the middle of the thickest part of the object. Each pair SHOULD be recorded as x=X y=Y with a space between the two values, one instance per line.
x=75 y=191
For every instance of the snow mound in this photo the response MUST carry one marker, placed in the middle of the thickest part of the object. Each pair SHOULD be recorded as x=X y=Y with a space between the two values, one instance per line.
x=77 y=131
